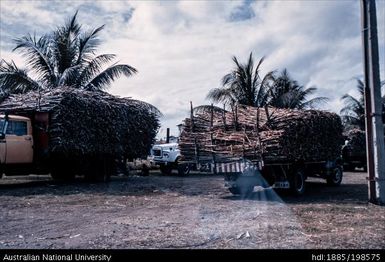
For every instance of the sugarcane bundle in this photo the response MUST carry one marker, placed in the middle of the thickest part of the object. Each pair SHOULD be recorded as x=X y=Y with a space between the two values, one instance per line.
x=269 y=133
x=84 y=122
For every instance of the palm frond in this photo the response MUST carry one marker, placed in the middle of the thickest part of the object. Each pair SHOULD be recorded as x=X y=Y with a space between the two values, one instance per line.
x=92 y=68
x=288 y=93
x=353 y=112
x=65 y=48
x=242 y=85
x=87 y=44
x=264 y=89
x=221 y=95
x=104 y=79
x=70 y=76
x=227 y=79
x=315 y=102
x=351 y=103
x=14 y=79
x=208 y=108
x=38 y=56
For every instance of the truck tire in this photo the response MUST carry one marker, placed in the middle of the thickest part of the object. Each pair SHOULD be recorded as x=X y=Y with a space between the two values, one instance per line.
x=244 y=191
x=183 y=169
x=62 y=174
x=335 y=179
x=297 y=183
x=103 y=177
x=234 y=190
x=165 y=169
x=62 y=169
x=99 y=169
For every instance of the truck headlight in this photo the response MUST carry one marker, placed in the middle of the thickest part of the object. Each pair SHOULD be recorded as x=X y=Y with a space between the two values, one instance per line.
x=165 y=155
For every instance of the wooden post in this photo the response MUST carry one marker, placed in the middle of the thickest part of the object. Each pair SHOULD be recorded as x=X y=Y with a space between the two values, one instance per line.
x=224 y=117
x=213 y=154
x=212 y=140
x=236 y=117
x=192 y=116
x=257 y=124
x=267 y=113
x=212 y=116
x=243 y=145
x=168 y=135
x=196 y=152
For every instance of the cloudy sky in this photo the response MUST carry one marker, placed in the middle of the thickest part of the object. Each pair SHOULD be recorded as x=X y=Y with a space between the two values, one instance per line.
x=183 y=48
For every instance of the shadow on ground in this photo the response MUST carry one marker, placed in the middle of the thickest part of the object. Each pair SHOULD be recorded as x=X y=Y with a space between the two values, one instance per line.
x=316 y=192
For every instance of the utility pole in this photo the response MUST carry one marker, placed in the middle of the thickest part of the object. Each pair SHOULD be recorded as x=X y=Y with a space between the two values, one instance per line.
x=373 y=104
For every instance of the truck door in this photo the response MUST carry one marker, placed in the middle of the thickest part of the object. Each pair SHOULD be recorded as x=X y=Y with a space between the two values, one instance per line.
x=19 y=143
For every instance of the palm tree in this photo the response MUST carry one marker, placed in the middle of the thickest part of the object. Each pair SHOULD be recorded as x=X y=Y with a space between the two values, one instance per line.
x=353 y=112
x=64 y=57
x=287 y=93
x=243 y=85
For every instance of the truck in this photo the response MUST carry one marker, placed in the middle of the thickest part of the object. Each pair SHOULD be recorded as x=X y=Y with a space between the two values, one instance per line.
x=353 y=159
x=354 y=150
x=168 y=157
x=268 y=147
x=68 y=132
x=24 y=150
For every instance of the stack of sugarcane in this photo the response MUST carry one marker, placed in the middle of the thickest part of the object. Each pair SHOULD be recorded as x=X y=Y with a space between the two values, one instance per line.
x=254 y=133
x=90 y=123
x=357 y=142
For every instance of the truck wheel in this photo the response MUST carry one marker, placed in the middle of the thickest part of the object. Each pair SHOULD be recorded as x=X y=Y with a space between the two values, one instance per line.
x=335 y=179
x=103 y=175
x=183 y=169
x=62 y=169
x=96 y=178
x=234 y=190
x=165 y=169
x=98 y=169
x=105 y=170
x=297 y=184
x=63 y=174
x=243 y=191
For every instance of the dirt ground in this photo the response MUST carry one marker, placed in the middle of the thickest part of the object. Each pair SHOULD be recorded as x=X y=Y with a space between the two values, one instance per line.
x=185 y=212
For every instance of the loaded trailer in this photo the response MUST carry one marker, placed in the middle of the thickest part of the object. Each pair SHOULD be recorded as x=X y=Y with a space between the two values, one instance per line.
x=242 y=175
x=67 y=132
x=268 y=147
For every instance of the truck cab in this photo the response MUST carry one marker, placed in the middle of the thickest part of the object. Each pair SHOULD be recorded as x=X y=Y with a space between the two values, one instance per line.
x=353 y=158
x=167 y=157
x=16 y=144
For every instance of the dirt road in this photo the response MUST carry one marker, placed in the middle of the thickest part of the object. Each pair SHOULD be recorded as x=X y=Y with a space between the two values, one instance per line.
x=191 y=212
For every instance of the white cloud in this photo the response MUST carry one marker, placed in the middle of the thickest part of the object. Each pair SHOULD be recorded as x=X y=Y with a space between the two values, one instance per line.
x=14 y=11
x=183 y=48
